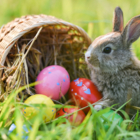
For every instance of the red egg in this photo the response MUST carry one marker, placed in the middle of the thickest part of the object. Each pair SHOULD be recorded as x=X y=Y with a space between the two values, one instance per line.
x=83 y=92
x=75 y=119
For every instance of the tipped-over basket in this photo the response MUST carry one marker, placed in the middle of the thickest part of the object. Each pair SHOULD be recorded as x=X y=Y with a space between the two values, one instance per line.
x=31 y=43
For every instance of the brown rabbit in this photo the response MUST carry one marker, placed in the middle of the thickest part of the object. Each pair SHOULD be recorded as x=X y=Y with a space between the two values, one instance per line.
x=114 y=68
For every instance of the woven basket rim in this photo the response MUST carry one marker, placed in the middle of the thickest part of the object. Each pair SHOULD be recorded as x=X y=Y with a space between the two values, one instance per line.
x=40 y=20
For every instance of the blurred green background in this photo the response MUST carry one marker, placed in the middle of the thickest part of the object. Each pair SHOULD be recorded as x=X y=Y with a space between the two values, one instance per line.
x=95 y=16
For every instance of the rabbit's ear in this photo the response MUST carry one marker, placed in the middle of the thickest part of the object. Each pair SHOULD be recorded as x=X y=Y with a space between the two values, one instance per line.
x=132 y=31
x=118 y=20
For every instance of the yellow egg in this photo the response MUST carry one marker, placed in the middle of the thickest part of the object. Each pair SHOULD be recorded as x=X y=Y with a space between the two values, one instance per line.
x=30 y=112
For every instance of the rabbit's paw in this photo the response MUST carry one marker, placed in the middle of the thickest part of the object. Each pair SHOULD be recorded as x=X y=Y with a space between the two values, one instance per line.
x=98 y=107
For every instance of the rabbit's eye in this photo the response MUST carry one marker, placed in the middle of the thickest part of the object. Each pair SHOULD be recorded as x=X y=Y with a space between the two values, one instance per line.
x=107 y=50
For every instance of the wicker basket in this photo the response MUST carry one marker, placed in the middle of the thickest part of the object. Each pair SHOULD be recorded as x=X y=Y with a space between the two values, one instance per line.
x=30 y=43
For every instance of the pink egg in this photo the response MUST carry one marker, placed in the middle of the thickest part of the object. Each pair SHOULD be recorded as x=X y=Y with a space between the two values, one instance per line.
x=54 y=82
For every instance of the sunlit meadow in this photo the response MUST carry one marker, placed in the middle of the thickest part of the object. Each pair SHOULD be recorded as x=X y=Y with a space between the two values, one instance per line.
x=95 y=17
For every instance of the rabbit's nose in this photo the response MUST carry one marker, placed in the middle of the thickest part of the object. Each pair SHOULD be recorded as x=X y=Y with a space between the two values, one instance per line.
x=87 y=56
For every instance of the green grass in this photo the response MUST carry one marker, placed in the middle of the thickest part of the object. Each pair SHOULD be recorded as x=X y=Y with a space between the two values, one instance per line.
x=95 y=16
x=93 y=128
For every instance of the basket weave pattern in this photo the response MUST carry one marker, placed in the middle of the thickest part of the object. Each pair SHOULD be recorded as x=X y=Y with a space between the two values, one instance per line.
x=58 y=42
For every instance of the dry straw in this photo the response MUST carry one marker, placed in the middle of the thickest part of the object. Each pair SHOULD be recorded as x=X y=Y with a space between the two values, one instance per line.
x=30 y=43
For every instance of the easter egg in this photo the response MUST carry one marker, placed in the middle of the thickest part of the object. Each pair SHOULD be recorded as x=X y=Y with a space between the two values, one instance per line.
x=40 y=100
x=82 y=91
x=54 y=82
x=75 y=119
x=25 y=130
x=112 y=116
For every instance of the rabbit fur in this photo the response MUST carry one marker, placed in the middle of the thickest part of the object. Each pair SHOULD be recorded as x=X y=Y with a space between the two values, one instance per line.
x=114 y=68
